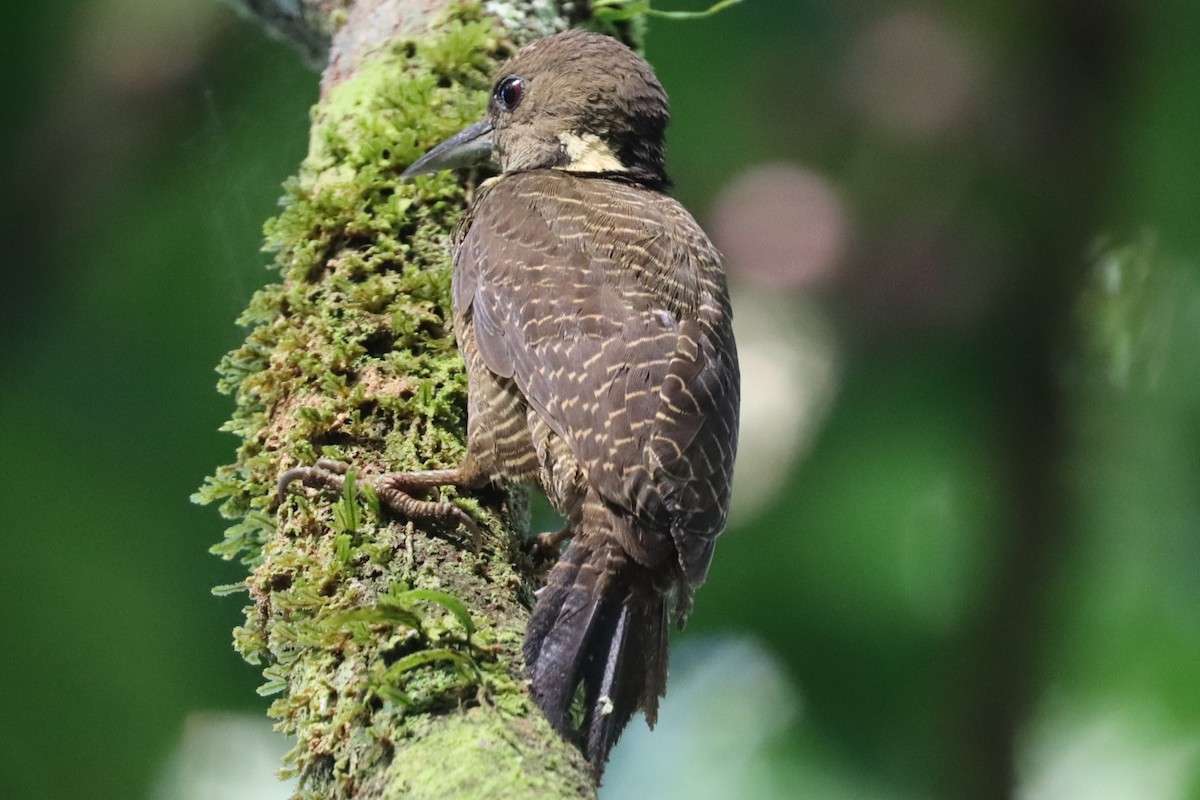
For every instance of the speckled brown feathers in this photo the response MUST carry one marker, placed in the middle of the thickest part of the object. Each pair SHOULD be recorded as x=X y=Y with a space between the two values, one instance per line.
x=604 y=304
x=593 y=317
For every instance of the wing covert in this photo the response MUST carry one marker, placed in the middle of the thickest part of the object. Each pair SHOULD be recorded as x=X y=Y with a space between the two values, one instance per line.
x=622 y=347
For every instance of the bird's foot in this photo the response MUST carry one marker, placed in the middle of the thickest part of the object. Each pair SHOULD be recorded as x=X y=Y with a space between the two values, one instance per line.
x=394 y=490
x=547 y=546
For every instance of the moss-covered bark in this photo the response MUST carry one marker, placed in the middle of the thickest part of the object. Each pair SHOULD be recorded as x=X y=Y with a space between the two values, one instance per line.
x=392 y=648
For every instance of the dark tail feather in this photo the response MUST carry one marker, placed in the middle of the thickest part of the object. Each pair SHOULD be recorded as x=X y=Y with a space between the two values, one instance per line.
x=598 y=622
x=629 y=672
x=557 y=635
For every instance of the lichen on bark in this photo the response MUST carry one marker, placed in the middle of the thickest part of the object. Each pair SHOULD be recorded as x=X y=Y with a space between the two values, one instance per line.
x=392 y=648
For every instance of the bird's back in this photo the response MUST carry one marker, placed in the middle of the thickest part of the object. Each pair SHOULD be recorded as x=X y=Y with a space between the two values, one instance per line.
x=605 y=303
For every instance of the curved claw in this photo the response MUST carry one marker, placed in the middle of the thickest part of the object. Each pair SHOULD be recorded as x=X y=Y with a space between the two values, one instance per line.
x=324 y=474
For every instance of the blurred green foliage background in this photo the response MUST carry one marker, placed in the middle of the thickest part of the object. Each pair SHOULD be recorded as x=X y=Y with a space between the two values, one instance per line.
x=973 y=378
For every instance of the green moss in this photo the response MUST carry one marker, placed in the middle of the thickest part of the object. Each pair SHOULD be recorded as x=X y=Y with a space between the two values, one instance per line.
x=432 y=769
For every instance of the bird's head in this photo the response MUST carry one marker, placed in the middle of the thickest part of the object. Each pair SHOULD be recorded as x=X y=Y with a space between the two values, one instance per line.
x=575 y=101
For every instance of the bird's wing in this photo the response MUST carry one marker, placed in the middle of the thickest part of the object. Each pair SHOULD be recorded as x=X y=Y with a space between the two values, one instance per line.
x=588 y=296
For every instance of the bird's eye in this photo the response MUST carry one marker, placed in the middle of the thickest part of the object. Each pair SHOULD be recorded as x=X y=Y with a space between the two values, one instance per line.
x=510 y=92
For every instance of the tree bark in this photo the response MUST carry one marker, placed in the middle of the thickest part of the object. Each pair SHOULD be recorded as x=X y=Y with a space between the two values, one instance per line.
x=393 y=647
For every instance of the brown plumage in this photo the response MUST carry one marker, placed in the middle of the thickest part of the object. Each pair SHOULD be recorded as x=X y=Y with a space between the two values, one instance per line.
x=593 y=316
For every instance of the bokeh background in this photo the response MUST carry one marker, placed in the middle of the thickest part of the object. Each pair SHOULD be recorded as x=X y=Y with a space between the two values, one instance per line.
x=964 y=240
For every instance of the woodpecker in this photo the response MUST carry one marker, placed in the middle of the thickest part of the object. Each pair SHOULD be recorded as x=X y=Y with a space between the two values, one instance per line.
x=594 y=321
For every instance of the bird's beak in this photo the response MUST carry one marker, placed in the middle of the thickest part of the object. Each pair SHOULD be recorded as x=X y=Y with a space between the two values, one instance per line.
x=469 y=146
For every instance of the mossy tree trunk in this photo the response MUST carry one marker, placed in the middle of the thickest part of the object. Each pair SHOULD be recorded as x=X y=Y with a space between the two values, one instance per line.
x=392 y=647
